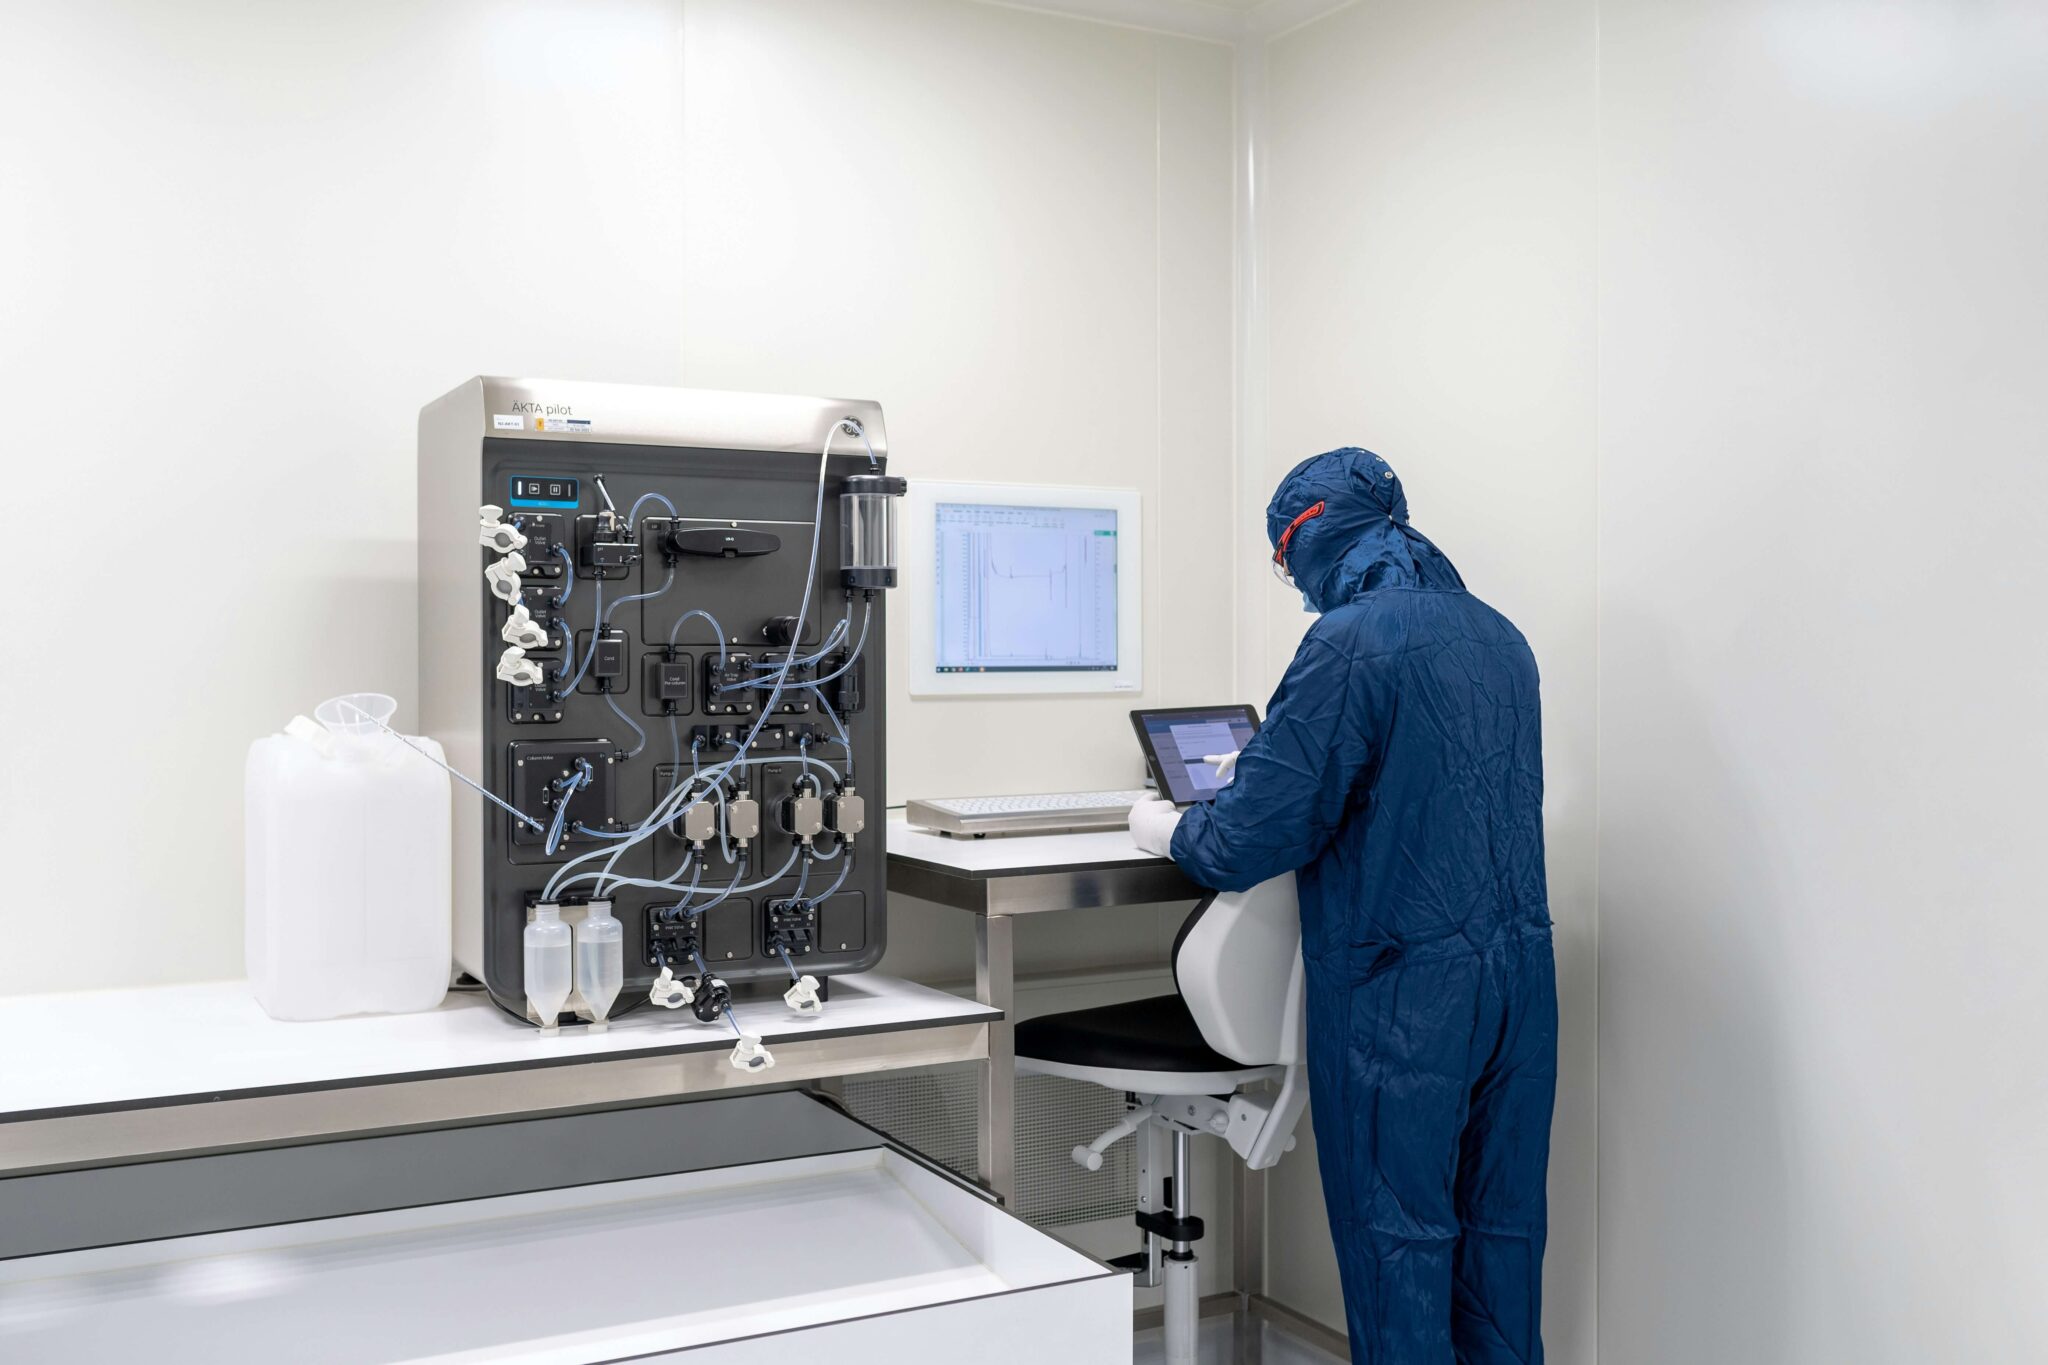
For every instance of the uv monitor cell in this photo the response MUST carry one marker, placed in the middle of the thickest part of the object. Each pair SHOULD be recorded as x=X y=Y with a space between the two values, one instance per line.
x=1032 y=589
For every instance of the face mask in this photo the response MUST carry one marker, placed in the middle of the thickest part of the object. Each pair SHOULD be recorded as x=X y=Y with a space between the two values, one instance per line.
x=1308 y=605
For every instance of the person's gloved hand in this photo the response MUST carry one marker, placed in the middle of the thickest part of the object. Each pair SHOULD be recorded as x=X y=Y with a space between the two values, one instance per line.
x=1225 y=765
x=1152 y=824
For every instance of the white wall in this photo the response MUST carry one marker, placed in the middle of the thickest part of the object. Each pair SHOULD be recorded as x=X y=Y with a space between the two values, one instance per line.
x=243 y=245
x=1428 y=257
x=1824 y=331
x=1015 y=229
x=254 y=242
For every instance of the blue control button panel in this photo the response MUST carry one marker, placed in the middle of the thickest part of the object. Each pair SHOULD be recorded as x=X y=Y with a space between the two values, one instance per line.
x=542 y=490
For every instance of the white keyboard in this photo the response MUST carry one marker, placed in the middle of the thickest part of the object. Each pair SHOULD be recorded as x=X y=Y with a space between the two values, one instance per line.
x=1043 y=813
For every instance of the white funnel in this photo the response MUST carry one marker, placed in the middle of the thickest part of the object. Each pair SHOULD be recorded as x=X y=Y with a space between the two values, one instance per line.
x=356 y=713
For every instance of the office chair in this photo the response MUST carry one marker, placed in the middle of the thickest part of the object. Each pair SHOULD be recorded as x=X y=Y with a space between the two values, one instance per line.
x=1184 y=1062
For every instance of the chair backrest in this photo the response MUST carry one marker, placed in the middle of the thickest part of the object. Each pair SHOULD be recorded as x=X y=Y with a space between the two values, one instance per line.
x=1238 y=965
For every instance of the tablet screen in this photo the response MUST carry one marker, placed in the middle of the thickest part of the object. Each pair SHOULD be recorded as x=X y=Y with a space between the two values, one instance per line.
x=1176 y=741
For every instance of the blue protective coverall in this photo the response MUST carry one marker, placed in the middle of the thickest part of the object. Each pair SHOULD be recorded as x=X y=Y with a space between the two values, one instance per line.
x=1400 y=772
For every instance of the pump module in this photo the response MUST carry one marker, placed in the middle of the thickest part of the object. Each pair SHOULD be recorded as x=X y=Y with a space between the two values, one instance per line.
x=652 y=624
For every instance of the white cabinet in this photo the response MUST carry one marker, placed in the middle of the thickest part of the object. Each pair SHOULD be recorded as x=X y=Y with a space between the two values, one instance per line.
x=852 y=1252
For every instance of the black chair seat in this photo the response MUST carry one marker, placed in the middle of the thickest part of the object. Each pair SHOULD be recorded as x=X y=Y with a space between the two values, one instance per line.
x=1139 y=1035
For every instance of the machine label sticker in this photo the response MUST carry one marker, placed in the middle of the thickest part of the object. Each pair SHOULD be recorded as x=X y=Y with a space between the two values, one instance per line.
x=561 y=423
x=507 y=421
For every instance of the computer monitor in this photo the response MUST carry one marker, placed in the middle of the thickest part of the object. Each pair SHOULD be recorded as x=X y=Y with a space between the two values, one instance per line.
x=1028 y=588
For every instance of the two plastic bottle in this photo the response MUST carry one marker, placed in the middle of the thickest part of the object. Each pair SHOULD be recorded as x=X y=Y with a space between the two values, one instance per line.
x=594 y=968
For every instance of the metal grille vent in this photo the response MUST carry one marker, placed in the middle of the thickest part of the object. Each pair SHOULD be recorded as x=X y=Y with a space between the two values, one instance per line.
x=934 y=1111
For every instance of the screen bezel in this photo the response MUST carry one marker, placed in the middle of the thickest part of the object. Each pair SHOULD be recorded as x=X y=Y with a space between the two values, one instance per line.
x=1153 y=764
x=920 y=555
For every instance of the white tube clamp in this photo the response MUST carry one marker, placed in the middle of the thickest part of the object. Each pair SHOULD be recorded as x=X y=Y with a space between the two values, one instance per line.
x=670 y=993
x=522 y=630
x=515 y=668
x=748 y=1054
x=496 y=535
x=503 y=576
x=803 y=996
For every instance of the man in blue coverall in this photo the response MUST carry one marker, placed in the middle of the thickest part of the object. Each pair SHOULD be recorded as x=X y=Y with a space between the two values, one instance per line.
x=1400 y=776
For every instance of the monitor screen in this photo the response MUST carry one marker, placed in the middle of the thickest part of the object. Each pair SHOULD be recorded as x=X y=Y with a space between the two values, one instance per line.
x=1176 y=741
x=1025 y=589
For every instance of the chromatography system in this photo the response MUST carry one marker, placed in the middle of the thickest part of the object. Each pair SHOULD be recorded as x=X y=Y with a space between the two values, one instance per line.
x=651 y=627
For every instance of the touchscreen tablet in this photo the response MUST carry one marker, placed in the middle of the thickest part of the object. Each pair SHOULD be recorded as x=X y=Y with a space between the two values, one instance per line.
x=1177 y=739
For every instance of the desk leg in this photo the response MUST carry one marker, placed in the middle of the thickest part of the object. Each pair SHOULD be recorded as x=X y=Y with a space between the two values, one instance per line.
x=1248 y=1259
x=995 y=984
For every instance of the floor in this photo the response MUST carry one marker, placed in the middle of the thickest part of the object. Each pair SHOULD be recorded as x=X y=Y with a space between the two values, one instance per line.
x=1217 y=1340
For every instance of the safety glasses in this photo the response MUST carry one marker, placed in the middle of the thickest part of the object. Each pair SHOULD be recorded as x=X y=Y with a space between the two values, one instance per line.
x=1280 y=569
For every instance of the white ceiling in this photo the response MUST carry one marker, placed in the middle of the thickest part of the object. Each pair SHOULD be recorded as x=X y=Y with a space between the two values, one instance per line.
x=1217 y=20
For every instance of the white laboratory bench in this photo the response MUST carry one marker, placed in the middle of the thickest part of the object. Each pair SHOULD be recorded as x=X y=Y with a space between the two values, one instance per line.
x=182 y=1175
x=94 y=1077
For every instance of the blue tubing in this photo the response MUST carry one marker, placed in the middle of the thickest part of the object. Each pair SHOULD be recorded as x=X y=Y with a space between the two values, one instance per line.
x=596 y=630
x=569 y=583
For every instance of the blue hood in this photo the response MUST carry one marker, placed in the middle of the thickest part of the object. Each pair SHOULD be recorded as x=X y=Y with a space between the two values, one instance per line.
x=1361 y=540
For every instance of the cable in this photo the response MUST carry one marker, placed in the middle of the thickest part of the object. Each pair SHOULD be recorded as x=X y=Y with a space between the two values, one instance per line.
x=858 y=646
x=633 y=517
x=716 y=629
x=833 y=716
x=569 y=582
x=568 y=787
x=639 y=596
x=663 y=809
x=666 y=811
x=803 y=610
x=674 y=912
x=830 y=643
x=611 y=699
x=853 y=426
x=596 y=632
x=521 y=816
x=837 y=882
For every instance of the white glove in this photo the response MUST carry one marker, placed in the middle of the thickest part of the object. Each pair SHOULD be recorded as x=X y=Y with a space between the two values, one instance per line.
x=1152 y=824
x=1225 y=765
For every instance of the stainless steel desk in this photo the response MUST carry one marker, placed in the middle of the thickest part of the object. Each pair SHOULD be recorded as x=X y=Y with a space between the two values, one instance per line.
x=995 y=880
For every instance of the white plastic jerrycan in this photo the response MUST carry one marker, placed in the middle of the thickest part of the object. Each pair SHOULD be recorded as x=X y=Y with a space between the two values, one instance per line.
x=346 y=905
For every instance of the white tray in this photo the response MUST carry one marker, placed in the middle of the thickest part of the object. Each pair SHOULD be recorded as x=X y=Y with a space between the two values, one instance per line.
x=864 y=1254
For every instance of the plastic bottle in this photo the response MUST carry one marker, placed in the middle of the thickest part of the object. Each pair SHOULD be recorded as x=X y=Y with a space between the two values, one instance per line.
x=547 y=965
x=600 y=963
x=346 y=893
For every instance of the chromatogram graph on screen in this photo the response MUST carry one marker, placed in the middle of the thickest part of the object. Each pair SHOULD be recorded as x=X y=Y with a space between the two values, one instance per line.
x=1025 y=589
